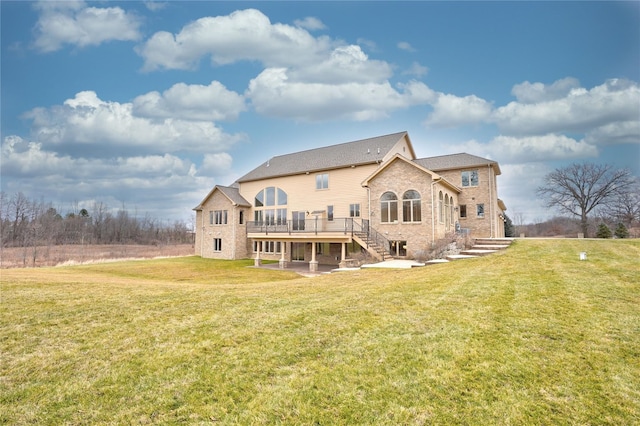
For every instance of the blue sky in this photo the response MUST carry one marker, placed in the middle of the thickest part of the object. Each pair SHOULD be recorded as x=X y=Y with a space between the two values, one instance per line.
x=150 y=104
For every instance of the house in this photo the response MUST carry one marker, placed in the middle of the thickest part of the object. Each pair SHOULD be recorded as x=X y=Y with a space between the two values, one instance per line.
x=322 y=205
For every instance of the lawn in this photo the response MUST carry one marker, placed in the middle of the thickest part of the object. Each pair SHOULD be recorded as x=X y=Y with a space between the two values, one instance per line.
x=531 y=335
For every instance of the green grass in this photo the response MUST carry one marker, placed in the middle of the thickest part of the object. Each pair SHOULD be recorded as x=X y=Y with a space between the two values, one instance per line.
x=531 y=335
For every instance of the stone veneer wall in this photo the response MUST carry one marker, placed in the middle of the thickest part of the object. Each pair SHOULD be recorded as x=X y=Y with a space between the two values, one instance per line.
x=398 y=178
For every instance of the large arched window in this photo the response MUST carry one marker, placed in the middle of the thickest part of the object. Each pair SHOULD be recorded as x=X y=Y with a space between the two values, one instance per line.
x=388 y=207
x=265 y=204
x=411 y=210
x=441 y=207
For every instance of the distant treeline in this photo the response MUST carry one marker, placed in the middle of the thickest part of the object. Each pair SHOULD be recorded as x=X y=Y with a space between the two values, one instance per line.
x=27 y=223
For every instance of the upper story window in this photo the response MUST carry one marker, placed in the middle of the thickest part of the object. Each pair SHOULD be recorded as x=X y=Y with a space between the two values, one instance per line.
x=470 y=178
x=220 y=217
x=354 y=210
x=388 y=207
x=411 y=209
x=264 y=204
x=322 y=181
x=270 y=196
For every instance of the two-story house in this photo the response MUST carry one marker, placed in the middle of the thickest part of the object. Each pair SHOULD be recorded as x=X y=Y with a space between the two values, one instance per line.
x=323 y=204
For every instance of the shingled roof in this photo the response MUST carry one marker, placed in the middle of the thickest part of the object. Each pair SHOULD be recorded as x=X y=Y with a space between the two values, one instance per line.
x=456 y=161
x=365 y=151
x=232 y=193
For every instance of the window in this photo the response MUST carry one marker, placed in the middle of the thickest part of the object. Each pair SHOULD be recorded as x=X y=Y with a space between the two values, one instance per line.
x=354 y=210
x=388 y=207
x=470 y=178
x=398 y=248
x=480 y=210
x=267 y=246
x=463 y=210
x=329 y=213
x=323 y=248
x=241 y=220
x=220 y=217
x=447 y=211
x=270 y=197
x=211 y=217
x=411 y=210
x=322 y=181
x=217 y=244
x=441 y=207
x=298 y=221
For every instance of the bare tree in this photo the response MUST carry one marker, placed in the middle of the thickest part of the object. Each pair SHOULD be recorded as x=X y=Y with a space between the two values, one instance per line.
x=578 y=189
x=626 y=208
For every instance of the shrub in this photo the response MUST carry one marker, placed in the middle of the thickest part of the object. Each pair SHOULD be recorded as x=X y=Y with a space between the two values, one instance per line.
x=452 y=243
x=603 y=231
x=621 y=231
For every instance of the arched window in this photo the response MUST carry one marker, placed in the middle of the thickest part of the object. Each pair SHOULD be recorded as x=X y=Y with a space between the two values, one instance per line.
x=388 y=207
x=441 y=207
x=411 y=210
x=447 y=211
x=265 y=202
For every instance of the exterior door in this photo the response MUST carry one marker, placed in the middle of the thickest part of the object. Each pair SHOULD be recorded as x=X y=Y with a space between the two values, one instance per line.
x=297 y=251
x=298 y=221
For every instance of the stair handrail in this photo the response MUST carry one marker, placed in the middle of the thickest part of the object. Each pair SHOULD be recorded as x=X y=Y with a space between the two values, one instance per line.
x=373 y=235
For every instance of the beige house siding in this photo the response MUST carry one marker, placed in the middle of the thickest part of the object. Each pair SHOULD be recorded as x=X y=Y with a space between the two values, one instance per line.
x=302 y=195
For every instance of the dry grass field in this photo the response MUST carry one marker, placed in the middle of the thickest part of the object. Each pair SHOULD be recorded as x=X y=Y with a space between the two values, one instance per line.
x=530 y=335
x=18 y=257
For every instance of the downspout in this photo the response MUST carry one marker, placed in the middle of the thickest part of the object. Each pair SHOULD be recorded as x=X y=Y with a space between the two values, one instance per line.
x=433 y=223
x=233 y=227
x=202 y=234
x=491 y=224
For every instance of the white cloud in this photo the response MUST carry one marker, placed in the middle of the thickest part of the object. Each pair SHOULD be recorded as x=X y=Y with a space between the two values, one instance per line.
x=191 y=102
x=540 y=148
x=161 y=183
x=273 y=94
x=615 y=133
x=580 y=110
x=216 y=164
x=417 y=70
x=112 y=126
x=244 y=35
x=344 y=64
x=529 y=149
x=517 y=184
x=450 y=110
x=528 y=93
x=404 y=45
x=75 y=24
x=155 y=5
x=310 y=23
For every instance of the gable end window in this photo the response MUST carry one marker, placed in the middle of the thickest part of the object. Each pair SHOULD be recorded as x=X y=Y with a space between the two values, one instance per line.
x=220 y=217
x=470 y=178
x=411 y=209
x=388 y=208
x=322 y=181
